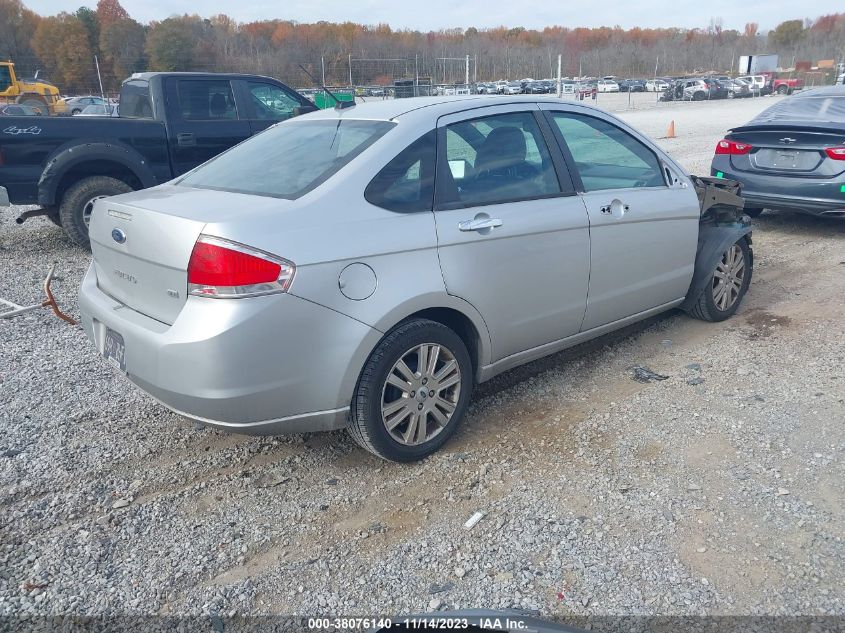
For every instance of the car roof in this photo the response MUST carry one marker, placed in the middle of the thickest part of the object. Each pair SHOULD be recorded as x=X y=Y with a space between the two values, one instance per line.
x=387 y=110
x=824 y=91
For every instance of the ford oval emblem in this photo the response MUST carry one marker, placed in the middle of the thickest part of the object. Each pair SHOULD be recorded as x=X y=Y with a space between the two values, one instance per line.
x=118 y=235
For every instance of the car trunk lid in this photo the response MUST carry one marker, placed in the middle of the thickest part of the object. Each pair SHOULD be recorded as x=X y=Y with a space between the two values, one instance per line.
x=793 y=150
x=141 y=257
x=148 y=270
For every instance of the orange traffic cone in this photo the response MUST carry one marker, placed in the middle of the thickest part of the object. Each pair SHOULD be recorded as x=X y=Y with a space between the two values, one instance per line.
x=670 y=133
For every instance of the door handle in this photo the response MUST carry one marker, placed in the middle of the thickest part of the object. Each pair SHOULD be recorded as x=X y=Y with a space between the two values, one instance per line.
x=479 y=224
x=186 y=139
x=608 y=208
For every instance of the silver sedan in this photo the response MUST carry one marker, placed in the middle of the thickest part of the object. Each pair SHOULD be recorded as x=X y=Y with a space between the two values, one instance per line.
x=365 y=267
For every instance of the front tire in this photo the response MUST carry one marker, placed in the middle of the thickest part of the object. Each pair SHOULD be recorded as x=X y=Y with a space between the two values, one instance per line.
x=753 y=212
x=783 y=89
x=78 y=202
x=413 y=392
x=727 y=285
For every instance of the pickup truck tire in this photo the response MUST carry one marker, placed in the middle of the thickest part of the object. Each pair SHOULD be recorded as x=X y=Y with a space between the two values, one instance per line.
x=445 y=369
x=753 y=212
x=727 y=286
x=74 y=211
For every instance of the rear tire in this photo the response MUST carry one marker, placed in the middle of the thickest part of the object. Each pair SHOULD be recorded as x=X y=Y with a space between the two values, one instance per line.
x=727 y=285
x=441 y=390
x=75 y=208
x=783 y=89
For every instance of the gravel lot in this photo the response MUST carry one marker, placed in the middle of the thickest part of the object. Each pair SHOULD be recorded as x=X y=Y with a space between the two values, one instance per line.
x=716 y=491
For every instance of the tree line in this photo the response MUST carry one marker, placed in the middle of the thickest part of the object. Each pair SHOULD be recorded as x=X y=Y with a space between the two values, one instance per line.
x=62 y=47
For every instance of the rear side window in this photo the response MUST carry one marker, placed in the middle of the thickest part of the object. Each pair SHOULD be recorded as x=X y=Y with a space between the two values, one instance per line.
x=289 y=159
x=495 y=159
x=204 y=100
x=606 y=156
x=406 y=183
x=135 y=100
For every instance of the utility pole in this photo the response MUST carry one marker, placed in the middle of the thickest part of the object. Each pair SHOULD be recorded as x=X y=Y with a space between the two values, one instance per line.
x=323 y=67
x=351 y=85
x=100 y=79
x=656 y=91
x=466 y=72
x=417 y=75
x=475 y=69
x=559 y=82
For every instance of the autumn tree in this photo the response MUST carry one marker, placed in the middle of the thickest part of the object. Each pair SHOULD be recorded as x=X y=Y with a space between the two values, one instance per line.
x=61 y=43
x=17 y=26
x=109 y=11
x=787 y=34
x=122 y=45
x=170 y=45
x=91 y=23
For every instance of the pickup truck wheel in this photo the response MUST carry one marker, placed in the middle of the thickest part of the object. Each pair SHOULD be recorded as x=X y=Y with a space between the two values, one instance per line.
x=783 y=89
x=727 y=285
x=413 y=392
x=753 y=212
x=78 y=203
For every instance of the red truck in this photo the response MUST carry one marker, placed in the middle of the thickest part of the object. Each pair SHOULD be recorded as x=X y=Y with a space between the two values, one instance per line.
x=782 y=85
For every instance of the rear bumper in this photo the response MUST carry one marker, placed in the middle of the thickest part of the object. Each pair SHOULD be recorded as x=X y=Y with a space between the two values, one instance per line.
x=814 y=206
x=779 y=192
x=264 y=365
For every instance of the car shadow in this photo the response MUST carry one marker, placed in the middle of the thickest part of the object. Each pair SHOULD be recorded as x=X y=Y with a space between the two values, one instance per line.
x=803 y=224
x=521 y=374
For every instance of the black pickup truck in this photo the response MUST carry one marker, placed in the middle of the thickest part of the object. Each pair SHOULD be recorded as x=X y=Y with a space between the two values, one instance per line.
x=168 y=124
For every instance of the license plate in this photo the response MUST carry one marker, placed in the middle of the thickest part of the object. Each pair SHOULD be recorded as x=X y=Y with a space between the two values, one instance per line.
x=114 y=349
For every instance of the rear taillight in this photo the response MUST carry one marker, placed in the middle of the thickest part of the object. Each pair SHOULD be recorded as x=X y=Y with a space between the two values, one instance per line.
x=732 y=147
x=222 y=269
x=836 y=153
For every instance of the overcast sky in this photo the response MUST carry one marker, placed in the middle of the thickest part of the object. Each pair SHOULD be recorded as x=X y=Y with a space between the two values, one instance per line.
x=436 y=14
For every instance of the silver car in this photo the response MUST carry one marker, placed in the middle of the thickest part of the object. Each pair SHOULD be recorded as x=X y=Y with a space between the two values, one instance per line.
x=365 y=267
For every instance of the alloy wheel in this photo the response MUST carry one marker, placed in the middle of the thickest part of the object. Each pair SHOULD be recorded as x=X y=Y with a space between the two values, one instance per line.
x=420 y=394
x=728 y=278
x=88 y=209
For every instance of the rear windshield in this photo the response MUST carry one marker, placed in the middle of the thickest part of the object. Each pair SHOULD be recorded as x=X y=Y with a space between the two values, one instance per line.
x=808 y=108
x=290 y=159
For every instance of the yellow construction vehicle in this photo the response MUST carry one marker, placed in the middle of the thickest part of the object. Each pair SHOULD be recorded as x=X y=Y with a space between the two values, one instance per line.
x=32 y=92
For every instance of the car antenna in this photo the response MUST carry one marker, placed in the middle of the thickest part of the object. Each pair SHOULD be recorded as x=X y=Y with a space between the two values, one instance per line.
x=338 y=104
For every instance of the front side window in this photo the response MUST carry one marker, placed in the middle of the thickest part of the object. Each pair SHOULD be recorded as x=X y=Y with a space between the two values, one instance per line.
x=406 y=183
x=607 y=157
x=499 y=158
x=270 y=102
x=204 y=100
x=290 y=159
